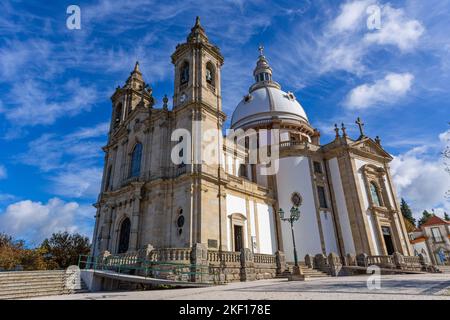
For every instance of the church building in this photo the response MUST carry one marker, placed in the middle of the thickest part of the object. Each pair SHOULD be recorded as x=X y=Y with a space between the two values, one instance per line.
x=343 y=189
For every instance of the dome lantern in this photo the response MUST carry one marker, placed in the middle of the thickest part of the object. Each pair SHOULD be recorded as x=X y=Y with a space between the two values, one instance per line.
x=266 y=103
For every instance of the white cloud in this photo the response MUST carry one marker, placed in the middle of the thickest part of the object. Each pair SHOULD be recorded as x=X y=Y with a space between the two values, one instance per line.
x=384 y=91
x=421 y=179
x=35 y=221
x=71 y=162
x=396 y=29
x=351 y=16
x=3 y=172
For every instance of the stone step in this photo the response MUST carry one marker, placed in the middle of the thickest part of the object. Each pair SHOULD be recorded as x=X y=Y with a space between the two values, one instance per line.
x=18 y=279
x=35 y=293
x=36 y=282
x=38 y=287
x=37 y=272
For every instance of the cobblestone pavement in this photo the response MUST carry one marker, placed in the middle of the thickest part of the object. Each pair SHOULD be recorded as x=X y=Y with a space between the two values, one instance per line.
x=423 y=287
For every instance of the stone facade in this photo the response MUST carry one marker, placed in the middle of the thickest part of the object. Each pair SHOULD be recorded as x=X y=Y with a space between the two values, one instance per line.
x=230 y=208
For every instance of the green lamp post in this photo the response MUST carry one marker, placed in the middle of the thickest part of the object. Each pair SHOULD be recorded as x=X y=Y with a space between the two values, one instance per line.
x=295 y=215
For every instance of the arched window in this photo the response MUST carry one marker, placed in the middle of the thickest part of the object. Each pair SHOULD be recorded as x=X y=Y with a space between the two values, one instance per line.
x=375 y=194
x=210 y=74
x=117 y=114
x=136 y=160
x=184 y=73
x=124 y=236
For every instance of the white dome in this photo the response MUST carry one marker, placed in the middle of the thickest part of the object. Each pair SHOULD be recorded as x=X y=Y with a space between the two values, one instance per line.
x=265 y=104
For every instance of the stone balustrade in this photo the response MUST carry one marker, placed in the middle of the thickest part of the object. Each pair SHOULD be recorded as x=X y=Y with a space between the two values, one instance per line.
x=202 y=264
x=265 y=258
x=381 y=261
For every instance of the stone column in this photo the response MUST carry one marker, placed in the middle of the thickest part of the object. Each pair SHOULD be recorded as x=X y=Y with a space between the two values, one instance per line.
x=247 y=265
x=199 y=263
x=135 y=218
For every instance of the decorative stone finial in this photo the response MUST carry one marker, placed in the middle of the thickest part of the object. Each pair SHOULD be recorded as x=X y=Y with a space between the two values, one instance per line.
x=336 y=129
x=343 y=128
x=378 y=140
x=136 y=67
x=197 y=32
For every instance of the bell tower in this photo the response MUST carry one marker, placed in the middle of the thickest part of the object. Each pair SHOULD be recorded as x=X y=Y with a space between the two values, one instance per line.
x=197 y=65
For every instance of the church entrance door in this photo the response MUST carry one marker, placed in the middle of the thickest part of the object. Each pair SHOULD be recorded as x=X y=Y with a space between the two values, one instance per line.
x=124 y=236
x=388 y=240
x=238 y=243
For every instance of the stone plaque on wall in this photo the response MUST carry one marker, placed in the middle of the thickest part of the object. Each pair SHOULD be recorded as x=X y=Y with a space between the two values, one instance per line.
x=212 y=243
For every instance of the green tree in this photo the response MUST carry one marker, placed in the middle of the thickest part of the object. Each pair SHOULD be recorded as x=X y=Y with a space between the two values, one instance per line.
x=63 y=249
x=13 y=253
x=425 y=216
x=407 y=213
x=446 y=216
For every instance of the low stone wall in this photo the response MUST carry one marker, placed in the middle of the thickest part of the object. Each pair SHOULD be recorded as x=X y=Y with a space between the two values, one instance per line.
x=197 y=264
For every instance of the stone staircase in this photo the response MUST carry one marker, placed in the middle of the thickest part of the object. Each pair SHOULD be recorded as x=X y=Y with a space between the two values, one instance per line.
x=308 y=272
x=26 y=284
x=443 y=269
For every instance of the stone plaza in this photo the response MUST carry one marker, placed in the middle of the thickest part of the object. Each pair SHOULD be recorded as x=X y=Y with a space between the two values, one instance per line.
x=392 y=287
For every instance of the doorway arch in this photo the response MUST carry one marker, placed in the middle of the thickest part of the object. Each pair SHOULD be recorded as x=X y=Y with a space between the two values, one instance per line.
x=124 y=236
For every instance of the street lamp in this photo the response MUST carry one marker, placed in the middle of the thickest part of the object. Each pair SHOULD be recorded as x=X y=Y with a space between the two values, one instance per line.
x=295 y=215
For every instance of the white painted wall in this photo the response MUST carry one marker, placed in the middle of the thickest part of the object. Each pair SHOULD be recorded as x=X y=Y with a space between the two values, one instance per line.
x=371 y=224
x=329 y=234
x=266 y=226
x=251 y=218
x=235 y=205
x=294 y=176
x=349 y=245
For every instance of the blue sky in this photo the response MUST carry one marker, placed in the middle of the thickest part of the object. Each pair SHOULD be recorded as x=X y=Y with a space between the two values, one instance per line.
x=55 y=86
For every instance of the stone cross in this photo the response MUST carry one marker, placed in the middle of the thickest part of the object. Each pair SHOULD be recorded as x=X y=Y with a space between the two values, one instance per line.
x=261 y=50
x=360 y=125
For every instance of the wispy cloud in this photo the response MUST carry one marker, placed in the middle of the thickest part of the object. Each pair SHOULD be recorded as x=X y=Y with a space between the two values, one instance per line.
x=32 y=103
x=71 y=162
x=3 y=172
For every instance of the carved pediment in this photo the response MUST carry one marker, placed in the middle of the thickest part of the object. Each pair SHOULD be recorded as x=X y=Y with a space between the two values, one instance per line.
x=369 y=147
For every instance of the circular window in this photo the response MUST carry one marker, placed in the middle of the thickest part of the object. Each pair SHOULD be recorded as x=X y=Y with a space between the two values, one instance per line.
x=296 y=199
x=180 y=221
